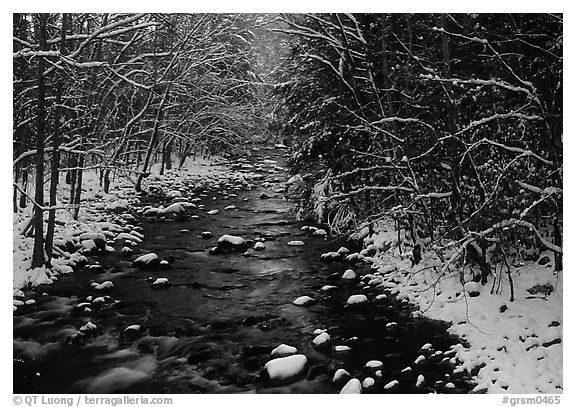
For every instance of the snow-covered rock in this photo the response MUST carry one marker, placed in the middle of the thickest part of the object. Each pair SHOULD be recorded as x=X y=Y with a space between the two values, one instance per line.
x=391 y=385
x=419 y=360
x=282 y=351
x=321 y=341
x=352 y=387
x=373 y=364
x=343 y=251
x=285 y=370
x=259 y=246
x=328 y=287
x=176 y=211
x=295 y=243
x=174 y=194
x=473 y=288
x=146 y=261
x=213 y=212
x=105 y=286
x=368 y=383
x=330 y=256
x=341 y=376
x=349 y=275
x=160 y=282
x=342 y=348
x=128 y=237
x=420 y=381
x=303 y=301
x=118 y=206
x=356 y=299
x=229 y=243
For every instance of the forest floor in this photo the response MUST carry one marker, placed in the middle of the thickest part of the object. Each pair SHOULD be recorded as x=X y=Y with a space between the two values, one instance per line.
x=514 y=347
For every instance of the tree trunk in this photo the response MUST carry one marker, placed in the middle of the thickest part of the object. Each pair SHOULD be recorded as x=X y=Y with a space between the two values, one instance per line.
x=56 y=151
x=153 y=138
x=38 y=253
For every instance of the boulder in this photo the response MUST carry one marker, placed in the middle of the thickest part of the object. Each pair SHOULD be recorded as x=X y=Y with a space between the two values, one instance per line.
x=349 y=275
x=105 y=286
x=303 y=301
x=161 y=282
x=356 y=299
x=174 y=211
x=229 y=243
x=283 y=350
x=340 y=377
x=146 y=261
x=286 y=370
x=352 y=387
x=321 y=341
x=118 y=206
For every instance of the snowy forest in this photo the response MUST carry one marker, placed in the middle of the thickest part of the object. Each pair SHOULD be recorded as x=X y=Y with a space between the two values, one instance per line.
x=287 y=203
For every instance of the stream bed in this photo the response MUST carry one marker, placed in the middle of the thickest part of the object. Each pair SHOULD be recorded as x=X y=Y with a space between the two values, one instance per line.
x=213 y=328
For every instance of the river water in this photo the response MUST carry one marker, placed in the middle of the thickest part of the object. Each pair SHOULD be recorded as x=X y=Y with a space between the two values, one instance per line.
x=212 y=329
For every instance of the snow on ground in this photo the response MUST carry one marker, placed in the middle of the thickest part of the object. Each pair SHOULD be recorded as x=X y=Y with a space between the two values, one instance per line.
x=94 y=205
x=515 y=347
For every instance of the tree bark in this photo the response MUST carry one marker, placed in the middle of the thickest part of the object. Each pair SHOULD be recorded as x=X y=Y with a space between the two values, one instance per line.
x=54 y=175
x=38 y=252
x=152 y=143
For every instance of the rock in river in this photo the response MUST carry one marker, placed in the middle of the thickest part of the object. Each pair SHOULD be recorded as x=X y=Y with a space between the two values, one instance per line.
x=160 y=282
x=322 y=341
x=352 y=387
x=303 y=301
x=149 y=260
x=228 y=243
x=282 y=351
x=356 y=299
x=285 y=370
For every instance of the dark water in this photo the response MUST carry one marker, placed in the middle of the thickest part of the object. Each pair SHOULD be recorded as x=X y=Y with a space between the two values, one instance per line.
x=213 y=328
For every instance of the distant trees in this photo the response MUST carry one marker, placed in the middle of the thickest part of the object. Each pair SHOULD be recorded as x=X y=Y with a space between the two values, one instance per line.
x=449 y=123
x=118 y=92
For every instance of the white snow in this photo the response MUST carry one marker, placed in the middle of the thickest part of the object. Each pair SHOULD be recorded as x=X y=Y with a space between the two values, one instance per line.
x=517 y=341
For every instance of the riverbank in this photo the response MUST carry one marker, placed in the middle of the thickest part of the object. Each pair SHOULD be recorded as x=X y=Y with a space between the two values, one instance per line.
x=100 y=214
x=515 y=347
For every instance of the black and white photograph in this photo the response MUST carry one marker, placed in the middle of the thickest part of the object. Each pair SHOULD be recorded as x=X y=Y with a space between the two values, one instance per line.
x=286 y=203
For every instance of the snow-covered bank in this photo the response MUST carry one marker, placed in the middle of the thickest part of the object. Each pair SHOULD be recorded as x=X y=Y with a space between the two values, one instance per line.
x=515 y=347
x=104 y=219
